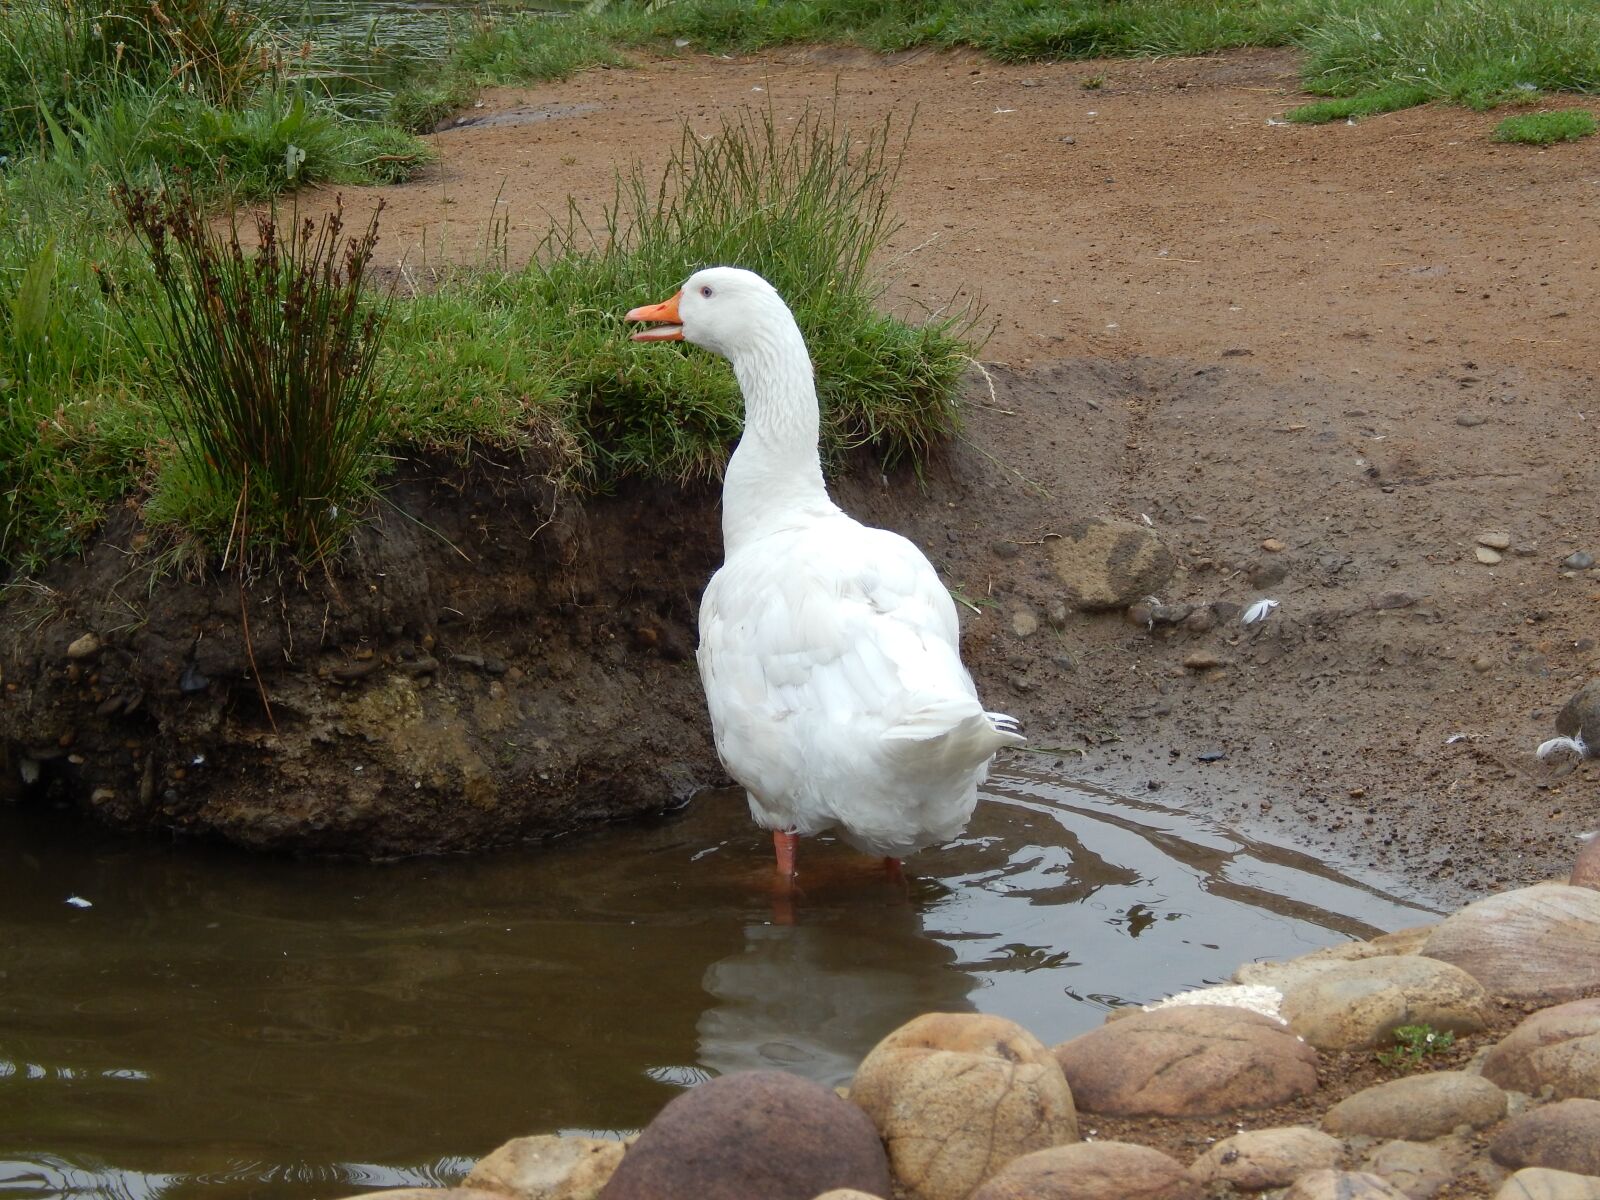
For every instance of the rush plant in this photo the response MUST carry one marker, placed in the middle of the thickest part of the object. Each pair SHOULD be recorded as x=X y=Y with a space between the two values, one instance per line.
x=267 y=360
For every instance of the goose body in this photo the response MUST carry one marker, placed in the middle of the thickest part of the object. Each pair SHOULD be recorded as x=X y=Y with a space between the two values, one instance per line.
x=829 y=649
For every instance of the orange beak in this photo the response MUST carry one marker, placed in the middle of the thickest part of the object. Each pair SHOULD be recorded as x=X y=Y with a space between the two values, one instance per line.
x=666 y=311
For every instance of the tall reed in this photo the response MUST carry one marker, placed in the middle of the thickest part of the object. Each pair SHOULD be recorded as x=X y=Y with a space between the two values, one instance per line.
x=272 y=397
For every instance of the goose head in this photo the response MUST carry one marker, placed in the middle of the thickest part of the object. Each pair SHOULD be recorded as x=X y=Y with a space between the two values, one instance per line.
x=725 y=309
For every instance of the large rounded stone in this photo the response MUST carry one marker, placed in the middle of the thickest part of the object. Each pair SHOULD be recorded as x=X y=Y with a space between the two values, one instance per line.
x=548 y=1167
x=1091 y=1171
x=1106 y=563
x=1258 y=1159
x=1586 y=867
x=1541 y=1183
x=956 y=1096
x=1359 y=1004
x=1557 y=1047
x=421 y=1193
x=1192 y=1061
x=1418 y=1108
x=1342 y=1185
x=1535 y=943
x=759 y=1134
x=1419 y=1169
x=1564 y=1135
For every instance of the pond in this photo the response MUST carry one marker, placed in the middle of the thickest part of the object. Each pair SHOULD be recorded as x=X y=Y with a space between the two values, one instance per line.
x=212 y=1024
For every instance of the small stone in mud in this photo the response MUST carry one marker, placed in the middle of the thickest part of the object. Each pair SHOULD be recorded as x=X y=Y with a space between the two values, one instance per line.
x=1203 y=660
x=1392 y=599
x=1023 y=623
x=1201 y=620
x=84 y=647
x=1482 y=663
x=1268 y=572
x=1226 y=610
x=1495 y=539
x=1273 y=546
x=1019 y=683
x=192 y=680
x=1470 y=420
x=1005 y=549
x=1486 y=556
x=1210 y=756
x=1140 y=614
x=1056 y=613
x=1582 y=560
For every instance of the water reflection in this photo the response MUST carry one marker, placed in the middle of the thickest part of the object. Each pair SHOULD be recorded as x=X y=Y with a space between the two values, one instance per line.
x=218 y=1025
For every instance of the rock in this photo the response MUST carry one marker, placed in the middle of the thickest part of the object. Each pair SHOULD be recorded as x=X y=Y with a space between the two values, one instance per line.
x=1005 y=549
x=1564 y=1135
x=1201 y=620
x=753 y=1133
x=1342 y=1185
x=1359 y=1004
x=1418 y=1108
x=1535 y=943
x=1204 y=660
x=1273 y=546
x=548 y=1167
x=1391 y=599
x=1470 y=420
x=1586 y=867
x=1541 y=1183
x=847 y=1194
x=86 y=646
x=1580 y=716
x=1486 y=556
x=1191 y=1061
x=1418 y=1169
x=1495 y=539
x=1024 y=623
x=1106 y=563
x=1268 y=572
x=1282 y=975
x=1091 y=1171
x=1556 y=1047
x=1404 y=941
x=1582 y=560
x=426 y=1193
x=1258 y=1159
x=956 y=1096
x=1056 y=613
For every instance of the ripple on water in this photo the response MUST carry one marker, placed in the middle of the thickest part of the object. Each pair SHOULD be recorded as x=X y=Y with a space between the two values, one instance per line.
x=219 y=1025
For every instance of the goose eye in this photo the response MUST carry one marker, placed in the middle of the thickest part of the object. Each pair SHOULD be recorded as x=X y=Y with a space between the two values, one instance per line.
x=706 y=292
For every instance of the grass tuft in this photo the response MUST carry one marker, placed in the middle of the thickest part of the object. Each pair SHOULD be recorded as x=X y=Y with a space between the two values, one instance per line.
x=1367 y=104
x=270 y=359
x=1546 y=128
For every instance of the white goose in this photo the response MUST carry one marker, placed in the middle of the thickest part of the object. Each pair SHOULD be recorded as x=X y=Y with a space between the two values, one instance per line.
x=829 y=650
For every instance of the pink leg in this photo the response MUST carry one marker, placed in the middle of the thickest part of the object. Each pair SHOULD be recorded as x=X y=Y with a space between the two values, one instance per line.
x=785 y=844
x=893 y=869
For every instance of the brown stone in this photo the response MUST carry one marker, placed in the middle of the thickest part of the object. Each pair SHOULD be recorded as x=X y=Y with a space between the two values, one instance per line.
x=1258 y=1159
x=1342 y=1185
x=1196 y=1060
x=1586 y=867
x=1558 y=1047
x=1541 y=1183
x=1535 y=943
x=1417 y=1108
x=1106 y=563
x=1419 y=1169
x=548 y=1167
x=761 y=1134
x=1091 y=1171
x=956 y=1096
x=1564 y=1135
x=1359 y=1004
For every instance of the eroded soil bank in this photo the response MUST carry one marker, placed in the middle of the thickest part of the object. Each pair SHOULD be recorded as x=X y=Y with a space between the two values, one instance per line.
x=1365 y=344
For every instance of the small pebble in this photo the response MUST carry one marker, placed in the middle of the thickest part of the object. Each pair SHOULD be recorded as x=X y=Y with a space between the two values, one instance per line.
x=1580 y=561
x=1202 y=660
x=1482 y=663
x=84 y=647
x=1274 y=545
x=1487 y=556
x=1469 y=420
x=1495 y=539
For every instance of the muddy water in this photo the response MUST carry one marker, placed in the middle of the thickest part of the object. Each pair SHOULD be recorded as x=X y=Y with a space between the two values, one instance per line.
x=217 y=1025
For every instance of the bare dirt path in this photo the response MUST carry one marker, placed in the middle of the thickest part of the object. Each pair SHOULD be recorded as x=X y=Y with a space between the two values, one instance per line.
x=1368 y=343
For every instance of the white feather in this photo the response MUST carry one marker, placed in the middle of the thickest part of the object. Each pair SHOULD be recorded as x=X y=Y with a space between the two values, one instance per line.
x=829 y=650
x=1258 y=611
x=1562 y=747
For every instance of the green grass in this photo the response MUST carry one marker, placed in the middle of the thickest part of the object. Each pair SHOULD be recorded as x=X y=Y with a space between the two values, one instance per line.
x=1370 y=56
x=806 y=206
x=1546 y=128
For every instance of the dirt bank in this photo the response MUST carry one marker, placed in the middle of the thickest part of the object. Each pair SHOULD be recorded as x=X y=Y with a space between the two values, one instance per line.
x=1365 y=344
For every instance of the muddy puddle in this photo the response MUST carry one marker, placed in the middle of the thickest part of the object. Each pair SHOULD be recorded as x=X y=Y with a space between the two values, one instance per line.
x=219 y=1025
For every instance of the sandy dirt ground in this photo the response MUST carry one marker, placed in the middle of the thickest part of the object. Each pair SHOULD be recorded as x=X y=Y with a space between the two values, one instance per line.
x=1322 y=361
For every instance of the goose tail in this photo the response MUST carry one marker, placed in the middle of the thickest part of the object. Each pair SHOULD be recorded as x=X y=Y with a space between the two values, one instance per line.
x=949 y=735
